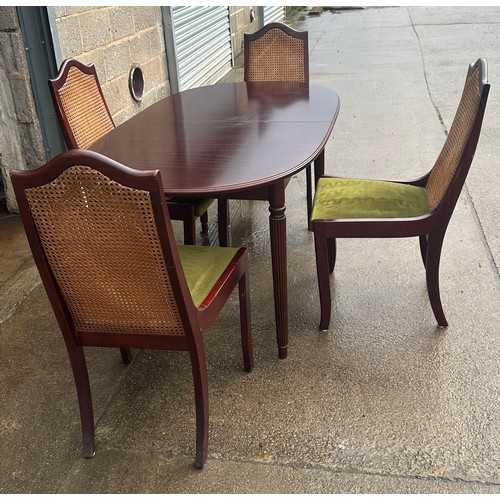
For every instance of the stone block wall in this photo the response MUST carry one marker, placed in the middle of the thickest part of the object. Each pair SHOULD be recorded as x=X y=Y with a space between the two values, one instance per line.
x=114 y=39
x=244 y=19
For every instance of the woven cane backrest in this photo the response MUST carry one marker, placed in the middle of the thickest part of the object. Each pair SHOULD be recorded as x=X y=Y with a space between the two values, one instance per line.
x=276 y=56
x=84 y=108
x=101 y=242
x=448 y=161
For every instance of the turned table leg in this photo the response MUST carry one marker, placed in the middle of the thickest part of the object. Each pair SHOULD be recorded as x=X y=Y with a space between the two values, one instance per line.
x=277 y=224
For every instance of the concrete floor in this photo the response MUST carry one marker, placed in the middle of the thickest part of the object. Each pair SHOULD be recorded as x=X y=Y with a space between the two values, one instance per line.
x=384 y=402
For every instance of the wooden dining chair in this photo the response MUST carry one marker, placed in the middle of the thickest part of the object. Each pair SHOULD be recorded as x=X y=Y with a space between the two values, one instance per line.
x=102 y=240
x=362 y=208
x=84 y=118
x=277 y=52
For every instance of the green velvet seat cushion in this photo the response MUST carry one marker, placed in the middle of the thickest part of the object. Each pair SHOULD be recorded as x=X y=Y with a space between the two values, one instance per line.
x=363 y=198
x=203 y=266
x=200 y=204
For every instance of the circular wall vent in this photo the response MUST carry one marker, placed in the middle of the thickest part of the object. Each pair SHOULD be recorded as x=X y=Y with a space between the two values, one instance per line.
x=136 y=82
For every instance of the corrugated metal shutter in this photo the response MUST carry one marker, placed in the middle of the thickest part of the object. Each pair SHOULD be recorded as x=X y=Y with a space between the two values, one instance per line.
x=274 y=14
x=202 y=37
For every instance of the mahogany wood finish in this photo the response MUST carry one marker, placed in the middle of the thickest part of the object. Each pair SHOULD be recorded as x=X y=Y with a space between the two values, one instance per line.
x=189 y=322
x=277 y=52
x=443 y=184
x=84 y=117
x=238 y=140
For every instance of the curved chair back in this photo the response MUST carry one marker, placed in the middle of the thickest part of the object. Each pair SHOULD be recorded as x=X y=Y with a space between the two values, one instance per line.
x=276 y=53
x=81 y=109
x=104 y=243
x=452 y=165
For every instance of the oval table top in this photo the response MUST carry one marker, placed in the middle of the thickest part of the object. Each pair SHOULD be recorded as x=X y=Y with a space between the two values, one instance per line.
x=227 y=137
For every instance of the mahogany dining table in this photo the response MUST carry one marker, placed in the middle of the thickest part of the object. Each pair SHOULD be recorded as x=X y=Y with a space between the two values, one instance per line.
x=240 y=140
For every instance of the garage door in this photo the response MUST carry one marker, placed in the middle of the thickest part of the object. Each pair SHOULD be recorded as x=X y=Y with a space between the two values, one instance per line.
x=200 y=45
x=274 y=14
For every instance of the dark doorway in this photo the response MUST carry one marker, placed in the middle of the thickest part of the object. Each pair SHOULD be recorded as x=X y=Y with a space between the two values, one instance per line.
x=42 y=65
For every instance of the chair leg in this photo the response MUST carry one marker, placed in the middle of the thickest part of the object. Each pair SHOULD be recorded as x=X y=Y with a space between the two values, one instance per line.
x=204 y=222
x=81 y=376
x=200 y=379
x=190 y=230
x=126 y=355
x=434 y=245
x=319 y=167
x=423 y=248
x=325 y=300
x=246 y=327
x=223 y=222
x=332 y=253
x=309 y=196
x=319 y=171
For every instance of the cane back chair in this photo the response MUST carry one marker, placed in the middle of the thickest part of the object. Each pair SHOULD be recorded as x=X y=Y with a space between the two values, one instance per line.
x=277 y=52
x=102 y=240
x=84 y=118
x=362 y=208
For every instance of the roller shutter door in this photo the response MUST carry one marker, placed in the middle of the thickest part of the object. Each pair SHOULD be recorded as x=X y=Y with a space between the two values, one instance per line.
x=202 y=38
x=274 y=14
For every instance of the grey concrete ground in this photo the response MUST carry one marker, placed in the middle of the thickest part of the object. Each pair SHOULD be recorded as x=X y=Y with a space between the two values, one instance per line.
x=384 y=402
